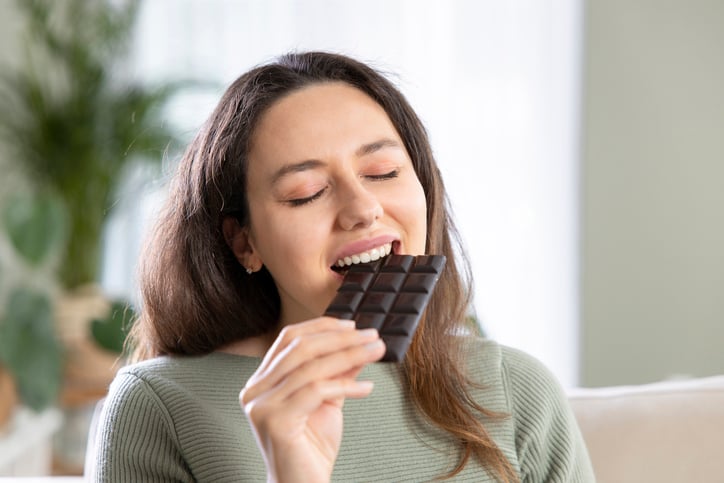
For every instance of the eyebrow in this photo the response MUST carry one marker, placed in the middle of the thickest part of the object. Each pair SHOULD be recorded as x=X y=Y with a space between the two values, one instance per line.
x=373 y=147
x=295 y=168
x=364 y=150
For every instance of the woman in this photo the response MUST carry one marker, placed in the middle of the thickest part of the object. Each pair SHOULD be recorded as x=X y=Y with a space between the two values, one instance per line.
x=309 y=161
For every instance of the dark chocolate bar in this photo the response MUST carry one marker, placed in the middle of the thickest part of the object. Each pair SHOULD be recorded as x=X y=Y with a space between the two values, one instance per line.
x=390 y=295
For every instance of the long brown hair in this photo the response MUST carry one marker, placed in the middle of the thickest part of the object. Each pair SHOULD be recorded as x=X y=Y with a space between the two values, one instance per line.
x=197 y=297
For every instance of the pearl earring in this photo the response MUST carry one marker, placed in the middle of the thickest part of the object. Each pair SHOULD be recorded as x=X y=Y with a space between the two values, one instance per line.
x=249 y=271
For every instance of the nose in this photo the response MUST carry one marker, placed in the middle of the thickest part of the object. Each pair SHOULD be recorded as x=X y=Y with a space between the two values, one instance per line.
x=358 y=207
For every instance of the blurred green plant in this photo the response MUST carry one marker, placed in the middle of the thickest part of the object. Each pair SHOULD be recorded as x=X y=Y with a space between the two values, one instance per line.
x=75 y=123
x=29 y=348
x=34 y=224
x=110 y=332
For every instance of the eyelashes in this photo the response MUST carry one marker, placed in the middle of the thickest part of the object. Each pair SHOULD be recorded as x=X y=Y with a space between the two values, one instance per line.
x=308 y=199
x=372 y=177
x=381 y=177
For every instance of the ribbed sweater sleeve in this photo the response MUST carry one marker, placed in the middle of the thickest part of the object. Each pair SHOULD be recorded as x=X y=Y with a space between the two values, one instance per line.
x=137 y=441
x=548 y=441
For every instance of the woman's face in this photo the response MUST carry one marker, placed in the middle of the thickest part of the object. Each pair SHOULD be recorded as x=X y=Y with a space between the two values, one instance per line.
x=329 y=183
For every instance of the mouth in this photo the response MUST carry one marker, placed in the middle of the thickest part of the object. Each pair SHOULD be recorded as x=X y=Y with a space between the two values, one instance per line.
x=342 y=265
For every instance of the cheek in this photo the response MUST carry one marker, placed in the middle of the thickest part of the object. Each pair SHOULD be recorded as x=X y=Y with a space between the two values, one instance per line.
x=411 y=212
x=420 y=214
x=284 y=241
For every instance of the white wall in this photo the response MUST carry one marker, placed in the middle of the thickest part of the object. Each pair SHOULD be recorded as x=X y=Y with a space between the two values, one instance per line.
x=653 y=190
x=496 y=84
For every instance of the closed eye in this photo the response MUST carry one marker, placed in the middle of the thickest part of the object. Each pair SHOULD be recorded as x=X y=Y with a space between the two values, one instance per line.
x=308 y=199
x=381 y=177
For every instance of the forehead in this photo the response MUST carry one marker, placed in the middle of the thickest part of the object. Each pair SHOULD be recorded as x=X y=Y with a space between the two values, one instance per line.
x=320 y=120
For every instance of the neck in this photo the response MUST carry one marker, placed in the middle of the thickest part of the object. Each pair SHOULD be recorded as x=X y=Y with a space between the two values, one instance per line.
x=251 y=346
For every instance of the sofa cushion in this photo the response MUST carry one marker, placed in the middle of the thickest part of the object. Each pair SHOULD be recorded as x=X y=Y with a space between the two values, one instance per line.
x=669 y=431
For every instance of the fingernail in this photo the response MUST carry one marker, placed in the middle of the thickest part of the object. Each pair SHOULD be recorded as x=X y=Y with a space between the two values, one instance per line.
x=368 y=333
x=373 y=346
x=346 y=323
x=364 y=385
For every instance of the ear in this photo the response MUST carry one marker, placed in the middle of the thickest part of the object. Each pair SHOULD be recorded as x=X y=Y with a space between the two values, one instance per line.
x=237 y=238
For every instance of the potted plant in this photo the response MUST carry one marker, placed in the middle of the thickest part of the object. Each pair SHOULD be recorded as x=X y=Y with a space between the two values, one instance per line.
x=30 y=353
x=73 y=124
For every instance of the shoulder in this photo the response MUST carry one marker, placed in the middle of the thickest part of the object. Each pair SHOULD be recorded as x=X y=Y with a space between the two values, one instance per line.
x=162 y=413
x=169 y=385
x=519 y=373
x=513 y=381
x=527 y=375
x=537 y=400
x=491 y=363
x=136 y=392
x=195 y=374
x=142 y=381
x=531 y=392
x=548 y=443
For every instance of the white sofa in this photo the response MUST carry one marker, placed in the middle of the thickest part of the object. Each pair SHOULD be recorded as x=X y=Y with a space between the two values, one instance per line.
x=663 y=432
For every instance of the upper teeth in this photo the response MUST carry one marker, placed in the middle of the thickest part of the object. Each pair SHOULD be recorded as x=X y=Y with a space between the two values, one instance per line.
x=364 y=257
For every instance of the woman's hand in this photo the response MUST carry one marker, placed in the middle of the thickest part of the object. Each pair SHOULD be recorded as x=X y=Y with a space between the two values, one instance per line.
x=294 y=399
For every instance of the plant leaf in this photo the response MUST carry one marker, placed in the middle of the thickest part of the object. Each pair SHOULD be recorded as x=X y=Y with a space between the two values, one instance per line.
x=110 y=333
x=30 y=349
x=34 y=224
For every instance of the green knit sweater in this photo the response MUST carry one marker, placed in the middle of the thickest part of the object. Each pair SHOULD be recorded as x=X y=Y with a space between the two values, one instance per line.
x=178 y=419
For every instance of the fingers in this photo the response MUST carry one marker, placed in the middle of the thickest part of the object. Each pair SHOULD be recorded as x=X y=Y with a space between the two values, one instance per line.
x=294 y=399
x=313 y=413
x=275 y=415
x=314 y=395
x=367 y=348
x=293 y=332
x=303 y=356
